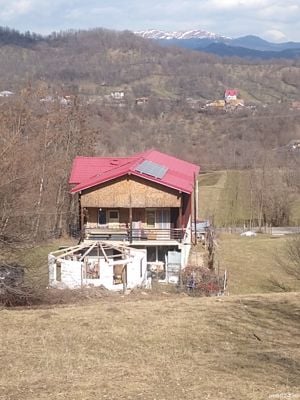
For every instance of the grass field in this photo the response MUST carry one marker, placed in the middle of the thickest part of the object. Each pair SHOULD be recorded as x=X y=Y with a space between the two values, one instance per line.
x=35 y=259
x=161 y=345
x=145 y=347
x=225 y=196
x=252 y=264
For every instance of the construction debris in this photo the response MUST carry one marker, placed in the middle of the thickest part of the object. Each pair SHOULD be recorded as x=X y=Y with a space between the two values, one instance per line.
x=202 y=281
x=98 y=263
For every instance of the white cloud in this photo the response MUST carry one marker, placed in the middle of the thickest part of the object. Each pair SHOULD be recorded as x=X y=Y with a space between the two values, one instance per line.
x=238 y=4
x=275 y=35
x=270 y=18
x=15 y=8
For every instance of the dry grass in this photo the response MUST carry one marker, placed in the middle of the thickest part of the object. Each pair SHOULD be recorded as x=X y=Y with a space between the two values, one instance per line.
x=161 y=345
x=146 y=347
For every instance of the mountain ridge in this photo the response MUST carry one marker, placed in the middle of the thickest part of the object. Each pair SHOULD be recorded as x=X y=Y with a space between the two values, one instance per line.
x=189 y=34
x=245 y=46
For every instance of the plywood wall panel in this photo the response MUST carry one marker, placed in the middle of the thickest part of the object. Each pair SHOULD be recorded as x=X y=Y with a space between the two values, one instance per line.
x=130 y=192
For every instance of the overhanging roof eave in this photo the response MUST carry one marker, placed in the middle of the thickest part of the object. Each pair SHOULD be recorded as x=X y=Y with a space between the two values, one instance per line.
x=80 y=188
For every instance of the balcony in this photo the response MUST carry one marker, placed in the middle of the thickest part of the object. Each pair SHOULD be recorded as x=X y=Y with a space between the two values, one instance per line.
x=130 y=235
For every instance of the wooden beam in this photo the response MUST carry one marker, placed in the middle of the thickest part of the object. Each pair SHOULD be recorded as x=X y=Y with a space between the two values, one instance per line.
x=72 y=250
x=195 y=209
x=79 y=246
x=181 y=216
x=88 y=251
x=81 y=222
x=104 y=254
x=130 y=220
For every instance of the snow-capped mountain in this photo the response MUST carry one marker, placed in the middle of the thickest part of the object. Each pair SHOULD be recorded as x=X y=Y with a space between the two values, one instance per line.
x=247 y=46
x=192 y=34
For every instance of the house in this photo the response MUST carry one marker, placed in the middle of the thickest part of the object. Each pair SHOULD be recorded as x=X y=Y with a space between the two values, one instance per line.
x=294 y=145
x=230 y=94
x=140 y=101
x=6 y=93
x=143 y=202
x=295 y=105
x=62 y=100
x=118 y=95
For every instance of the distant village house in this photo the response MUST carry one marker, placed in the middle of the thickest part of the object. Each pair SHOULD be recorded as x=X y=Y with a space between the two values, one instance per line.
x=230 y=94
x=6 y=93
x=118 y=95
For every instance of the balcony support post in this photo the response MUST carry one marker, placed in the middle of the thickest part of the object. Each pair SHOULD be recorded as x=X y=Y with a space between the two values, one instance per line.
x=130 y=224
x=181 y=217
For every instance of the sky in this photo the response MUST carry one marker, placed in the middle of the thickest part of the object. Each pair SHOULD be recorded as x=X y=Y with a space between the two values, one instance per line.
x=274 y=20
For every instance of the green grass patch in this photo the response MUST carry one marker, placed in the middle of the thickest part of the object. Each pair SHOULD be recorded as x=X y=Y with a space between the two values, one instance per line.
x=211 y=186
x=225 y=196
x=35 y=260
x=252 y=264
x=210 y=178
x=234 y=207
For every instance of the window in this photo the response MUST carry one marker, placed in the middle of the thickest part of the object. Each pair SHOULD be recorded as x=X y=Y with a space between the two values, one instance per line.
x=113 y=216
x=163 y=218
x=92 y=269
x=101 y=216
x=151 y=254
x=150 y=218
x=58 y=271
x=119 y=274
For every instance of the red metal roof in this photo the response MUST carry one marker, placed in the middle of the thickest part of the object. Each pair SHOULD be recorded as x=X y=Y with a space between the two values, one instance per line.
x=231 y=92
x=84 y=167
x=88 y=172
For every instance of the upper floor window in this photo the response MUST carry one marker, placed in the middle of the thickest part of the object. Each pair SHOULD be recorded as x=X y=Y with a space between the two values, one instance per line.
x=150 y=218
x=113 y=216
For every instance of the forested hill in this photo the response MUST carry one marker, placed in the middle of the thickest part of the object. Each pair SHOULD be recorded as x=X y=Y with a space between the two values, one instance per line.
x=91 y=65
x=11 y=37
x=88 y=62
x=57 y=101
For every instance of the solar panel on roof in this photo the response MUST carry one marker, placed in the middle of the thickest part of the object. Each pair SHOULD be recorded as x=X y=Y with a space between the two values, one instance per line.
x=152 y=169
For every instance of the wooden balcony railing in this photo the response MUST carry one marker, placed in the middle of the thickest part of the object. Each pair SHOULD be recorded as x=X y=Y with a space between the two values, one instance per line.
x=131 y=235
x=156 y=234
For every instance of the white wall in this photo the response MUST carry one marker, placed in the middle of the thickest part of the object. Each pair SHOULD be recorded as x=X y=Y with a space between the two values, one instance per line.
x=186 y=245
x=71 y=273
x=72 y=277
x=137 y=269
x=51 y=269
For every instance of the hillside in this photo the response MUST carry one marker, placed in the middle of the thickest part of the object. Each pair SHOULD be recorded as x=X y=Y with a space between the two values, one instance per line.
x=253 y=264
x=160 y=344
x=143 y=67
x=145 y=347
x=64 y=104
x=231 y=198
x=224 y=50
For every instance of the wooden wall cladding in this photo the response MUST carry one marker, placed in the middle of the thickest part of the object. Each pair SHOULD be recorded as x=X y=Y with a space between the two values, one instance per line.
x=130 y=192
